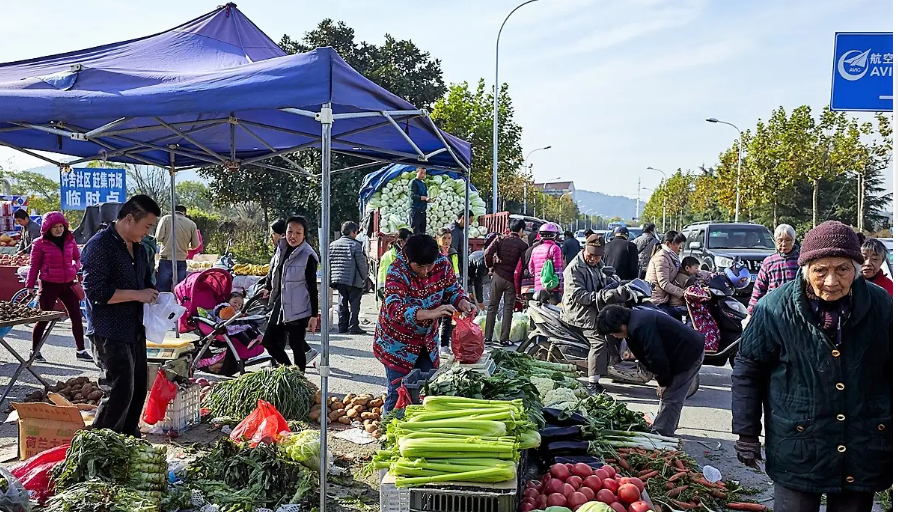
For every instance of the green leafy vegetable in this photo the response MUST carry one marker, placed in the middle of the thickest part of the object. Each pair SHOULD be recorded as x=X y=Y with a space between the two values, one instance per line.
x=284 y=387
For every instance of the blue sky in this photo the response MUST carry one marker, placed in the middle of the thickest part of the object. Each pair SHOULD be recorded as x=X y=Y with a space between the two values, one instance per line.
x=613 y=85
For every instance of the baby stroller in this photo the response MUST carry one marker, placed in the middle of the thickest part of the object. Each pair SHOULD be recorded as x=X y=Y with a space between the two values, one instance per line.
x=206 y=290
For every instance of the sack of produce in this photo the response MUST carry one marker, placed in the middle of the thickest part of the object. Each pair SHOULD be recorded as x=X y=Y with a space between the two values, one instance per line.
x=263 y=425
x=520 y=323
x=161 y=316
x=162 y=393
x=34 y=473
x=467 y=340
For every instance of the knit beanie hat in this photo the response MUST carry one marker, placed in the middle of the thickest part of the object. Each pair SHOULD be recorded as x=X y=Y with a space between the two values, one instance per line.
x=830 y=239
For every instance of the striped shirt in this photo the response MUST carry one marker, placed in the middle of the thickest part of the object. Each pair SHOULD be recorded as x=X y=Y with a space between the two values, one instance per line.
x=776 y=270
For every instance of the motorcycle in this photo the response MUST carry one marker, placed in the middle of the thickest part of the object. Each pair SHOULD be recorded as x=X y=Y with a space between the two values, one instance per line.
x=553 y=340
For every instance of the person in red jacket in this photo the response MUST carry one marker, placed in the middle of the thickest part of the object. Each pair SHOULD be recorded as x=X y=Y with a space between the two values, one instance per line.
x=55 y=258
x=875 y=254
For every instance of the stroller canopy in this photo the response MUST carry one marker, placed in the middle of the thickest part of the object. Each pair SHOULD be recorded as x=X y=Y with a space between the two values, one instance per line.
x=205 y=289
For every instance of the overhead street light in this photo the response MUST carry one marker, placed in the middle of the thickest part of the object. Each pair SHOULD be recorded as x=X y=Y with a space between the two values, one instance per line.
x=663 y=199
x=526 y=168
x=738 y=163
x=496 y=113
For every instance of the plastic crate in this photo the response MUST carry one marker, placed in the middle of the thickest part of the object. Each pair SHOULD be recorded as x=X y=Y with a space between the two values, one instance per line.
x=182 y=414
x=499 y=498
x=392 y=498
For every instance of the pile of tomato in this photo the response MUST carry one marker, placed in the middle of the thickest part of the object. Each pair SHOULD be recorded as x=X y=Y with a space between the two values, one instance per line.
x=575 y=485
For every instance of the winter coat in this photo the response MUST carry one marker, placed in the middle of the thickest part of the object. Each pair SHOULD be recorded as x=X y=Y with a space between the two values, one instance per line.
x=504 y=254
x=30 y=233
x=776 y=270
x=882 y=281
x=290 y=285
x=582 y=282
x=55 y=265
x=348 y=265
x=663 y=344
x=385 y=261
x=569 y=249
x=645 y=244
x=459 y=242
x=198 y=249
x=622 y=254
x=548 y=250
x=663 y=267
x=399 y=337
x=827 y=409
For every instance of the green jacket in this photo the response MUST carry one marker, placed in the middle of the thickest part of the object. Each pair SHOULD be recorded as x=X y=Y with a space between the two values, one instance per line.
x=152 y=248
x=827 y=409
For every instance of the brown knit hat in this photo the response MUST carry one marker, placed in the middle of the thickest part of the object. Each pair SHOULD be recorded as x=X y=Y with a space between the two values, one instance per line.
x=830 y=239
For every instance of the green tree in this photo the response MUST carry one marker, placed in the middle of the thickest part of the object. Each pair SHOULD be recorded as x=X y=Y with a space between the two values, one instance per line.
x=468 y=115
x=194 y=194
x=42 y=192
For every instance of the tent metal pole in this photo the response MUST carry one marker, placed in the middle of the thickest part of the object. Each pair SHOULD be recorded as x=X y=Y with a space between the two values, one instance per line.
x=193 y=141
x=325 y=117
x=106 y=127
x=271 y=148
x=32 y=153
x=464 y=254
x=408 y=139
x=172 y=237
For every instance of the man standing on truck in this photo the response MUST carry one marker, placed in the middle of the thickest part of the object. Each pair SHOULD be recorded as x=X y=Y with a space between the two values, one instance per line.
x=417 y=203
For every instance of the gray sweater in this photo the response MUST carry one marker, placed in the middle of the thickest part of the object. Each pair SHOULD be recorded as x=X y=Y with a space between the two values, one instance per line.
x=348 y=265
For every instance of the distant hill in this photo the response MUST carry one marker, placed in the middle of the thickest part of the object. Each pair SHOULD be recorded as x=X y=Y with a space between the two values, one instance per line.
x=607 y=206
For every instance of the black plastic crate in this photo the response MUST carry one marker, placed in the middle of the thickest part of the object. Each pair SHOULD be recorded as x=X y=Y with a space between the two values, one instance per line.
x=432 y=499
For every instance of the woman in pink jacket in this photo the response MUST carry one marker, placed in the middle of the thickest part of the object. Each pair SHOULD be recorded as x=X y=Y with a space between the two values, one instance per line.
x=547 y=250
x=55 y=259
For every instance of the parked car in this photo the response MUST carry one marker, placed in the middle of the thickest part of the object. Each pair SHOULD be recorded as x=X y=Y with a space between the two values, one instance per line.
x=887 y=268
x=581 y=237
x=717 y=244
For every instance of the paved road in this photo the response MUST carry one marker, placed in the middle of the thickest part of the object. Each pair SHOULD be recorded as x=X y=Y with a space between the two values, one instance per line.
x=705 y=423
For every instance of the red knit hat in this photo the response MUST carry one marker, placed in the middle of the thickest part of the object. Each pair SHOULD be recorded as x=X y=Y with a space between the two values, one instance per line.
x=830 y=239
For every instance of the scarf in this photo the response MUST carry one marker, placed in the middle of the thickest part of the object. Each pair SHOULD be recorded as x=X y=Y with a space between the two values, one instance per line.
x=831 y=314
x=58 y=241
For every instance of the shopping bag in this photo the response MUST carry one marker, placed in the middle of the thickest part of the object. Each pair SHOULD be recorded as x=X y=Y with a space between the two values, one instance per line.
x=161 y=394
x=548 y=277
x=161 y=316
x=34 y=473
x=467 y=340
x=263 y=425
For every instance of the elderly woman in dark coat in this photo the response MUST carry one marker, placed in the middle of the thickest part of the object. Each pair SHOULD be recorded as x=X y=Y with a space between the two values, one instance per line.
x=817 y=360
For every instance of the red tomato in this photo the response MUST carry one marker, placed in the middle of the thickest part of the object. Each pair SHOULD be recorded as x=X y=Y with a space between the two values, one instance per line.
x=530 y=493
x=589 y=493
x=628 y=493
x=593 y=482
x=575 y=482
x=576 y=500
x=610 y=484
x=526 y=507
x=560 y=471
x=606 y=496
x=610 y=470
x=582 y=470
x=541 y=502
x=639 y=506
x=617 y=507
x=633 y=480
x=556 y=500
x=567 y=490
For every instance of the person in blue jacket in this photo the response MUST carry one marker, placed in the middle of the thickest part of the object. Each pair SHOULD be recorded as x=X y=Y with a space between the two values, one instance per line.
x=417 y=203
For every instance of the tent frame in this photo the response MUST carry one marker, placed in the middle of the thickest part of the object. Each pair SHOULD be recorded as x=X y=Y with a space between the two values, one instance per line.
x=110 y=136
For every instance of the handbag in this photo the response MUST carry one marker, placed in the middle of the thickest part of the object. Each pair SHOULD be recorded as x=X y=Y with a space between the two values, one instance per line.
x=78 y=289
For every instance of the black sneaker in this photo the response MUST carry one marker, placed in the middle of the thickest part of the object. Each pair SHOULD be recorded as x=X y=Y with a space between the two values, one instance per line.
x=358 y=332
x=594 y=388
x=38 y=357
x=83 y=354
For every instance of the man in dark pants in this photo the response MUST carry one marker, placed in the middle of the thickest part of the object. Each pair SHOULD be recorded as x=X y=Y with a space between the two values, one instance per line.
x=417 y=203
x=668 y=348
x=349 y=271
x=459 y=243
x=569 y=248
x=503 y=256
x=622 y=254
x=117 y=283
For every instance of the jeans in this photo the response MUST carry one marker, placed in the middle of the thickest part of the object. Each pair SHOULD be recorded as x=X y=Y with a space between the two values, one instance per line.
x=672 y=398
x=394 y=378
x=785 y=499
x=348 y=310
x=417 y=220
x=672 y=311
x=600 y=352
x=274 y=342
x=123 y=376
x=163 y=276
x=500 y=289
x=49 y=293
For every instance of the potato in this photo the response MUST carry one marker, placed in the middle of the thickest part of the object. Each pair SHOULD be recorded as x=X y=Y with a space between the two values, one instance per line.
x=352 y=413
x=348 y=399
x=315 y=415
x=97 y=395
x=77 y=397
x=318 y=397
x=332 y=400
x=370 y=428
x=377 y=402
x=335 y=415
x=345 y=420
x=367 y=416
x=360 y=401
x=336 y=405
x=71 y=382
x=376 y=433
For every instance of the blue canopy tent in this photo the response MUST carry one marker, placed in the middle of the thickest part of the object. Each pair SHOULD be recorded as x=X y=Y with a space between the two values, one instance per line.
x=216 y=91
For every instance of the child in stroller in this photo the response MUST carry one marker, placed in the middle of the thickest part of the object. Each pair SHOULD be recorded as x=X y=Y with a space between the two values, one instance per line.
x=246 y=333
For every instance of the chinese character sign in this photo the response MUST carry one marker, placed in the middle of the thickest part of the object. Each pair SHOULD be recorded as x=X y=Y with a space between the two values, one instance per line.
x=81 y=188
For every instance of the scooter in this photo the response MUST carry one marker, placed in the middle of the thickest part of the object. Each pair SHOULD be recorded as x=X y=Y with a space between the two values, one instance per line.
x=553 y=340
x=729 y=315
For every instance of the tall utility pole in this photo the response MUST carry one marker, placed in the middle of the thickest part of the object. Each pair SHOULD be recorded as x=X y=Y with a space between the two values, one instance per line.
x=496 y=114
x=738 y=163
x=638 y=188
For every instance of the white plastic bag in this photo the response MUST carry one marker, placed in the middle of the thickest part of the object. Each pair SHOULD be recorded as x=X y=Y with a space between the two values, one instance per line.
x=15 y=498
x=161 y=316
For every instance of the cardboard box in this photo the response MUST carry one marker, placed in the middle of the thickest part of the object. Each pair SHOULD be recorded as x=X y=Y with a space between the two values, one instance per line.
x=43 y=426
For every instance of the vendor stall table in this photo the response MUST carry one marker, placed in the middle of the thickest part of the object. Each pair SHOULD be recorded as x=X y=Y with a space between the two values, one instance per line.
x=9 y=282
x=25 y=364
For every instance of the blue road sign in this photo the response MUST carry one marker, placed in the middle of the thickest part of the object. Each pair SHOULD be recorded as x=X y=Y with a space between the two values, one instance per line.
x=862 y=72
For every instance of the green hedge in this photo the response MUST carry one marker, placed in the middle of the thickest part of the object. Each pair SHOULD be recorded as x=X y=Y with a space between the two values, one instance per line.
x=249 y=240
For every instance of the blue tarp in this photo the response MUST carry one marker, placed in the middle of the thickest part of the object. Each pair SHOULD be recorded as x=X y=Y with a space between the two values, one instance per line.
x=216 y=65
x=375 y=180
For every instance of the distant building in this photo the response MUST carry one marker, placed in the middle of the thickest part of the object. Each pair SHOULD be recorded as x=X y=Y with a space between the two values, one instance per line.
x=557 y=188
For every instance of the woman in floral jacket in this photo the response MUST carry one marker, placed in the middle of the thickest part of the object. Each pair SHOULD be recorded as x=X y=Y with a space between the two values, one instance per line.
x=420 y=289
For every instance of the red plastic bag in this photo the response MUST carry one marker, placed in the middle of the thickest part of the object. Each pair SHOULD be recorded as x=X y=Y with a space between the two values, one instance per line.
x=263 y=425
x=34 y=473
x=162 y=393
x=467 y=340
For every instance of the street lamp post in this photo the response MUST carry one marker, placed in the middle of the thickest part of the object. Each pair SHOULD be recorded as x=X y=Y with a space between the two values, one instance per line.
x=525 y=167
x=738 y=163
x=663 y=199
x=496 y=114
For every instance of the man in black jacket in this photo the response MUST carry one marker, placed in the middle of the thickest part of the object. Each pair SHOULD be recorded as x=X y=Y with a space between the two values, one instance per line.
x=459 y=243
x=668 y=348
x=570 y=248
x=622 y=254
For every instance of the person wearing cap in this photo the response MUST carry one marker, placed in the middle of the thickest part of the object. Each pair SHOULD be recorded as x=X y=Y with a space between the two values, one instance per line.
x=584 y=281
x=622 y=254
x=645 y=247
x=816 y=362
